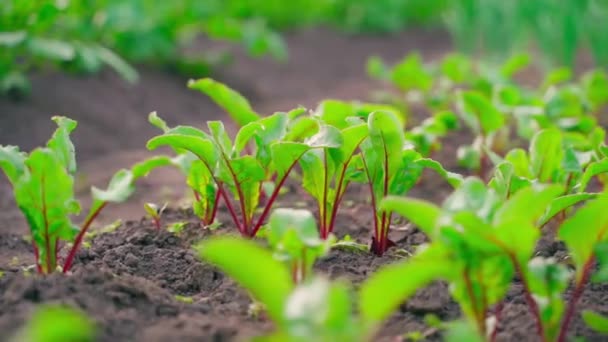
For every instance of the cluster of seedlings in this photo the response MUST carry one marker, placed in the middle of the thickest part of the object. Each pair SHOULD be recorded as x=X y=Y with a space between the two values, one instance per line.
x=481 y=237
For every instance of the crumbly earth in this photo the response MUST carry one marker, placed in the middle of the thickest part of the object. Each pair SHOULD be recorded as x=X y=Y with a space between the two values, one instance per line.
x=132 y=280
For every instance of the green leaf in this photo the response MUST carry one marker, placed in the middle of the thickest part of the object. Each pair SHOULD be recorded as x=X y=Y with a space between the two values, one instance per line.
x=285 y=154
x=45 y=195
x=423 y=214
x=320 y=310
x=245 y=134
x=314 y=172
x=114 y=61
x=156 y=121
x=385 y=290
x=203 y=148
x=327 y=137
x=557 y=76
x=601 y=254
x=472 y=195
x=248 y=267
x=595 y=321
x=232 y=102
x=51 y=49
x=376 y=68
x=588 y=226
x=528 y=204
x=120 y=187
x=460 y=330
x=301 y=221
x=12 y=162
x=61 y=144
x=505 y=182
x=51 y=323
x=220 y=136
x=410 y=74
x=143 y=168
x=515 y=64
x=592 y=170
x=520 y=161
x=456 y=67
x=11 y=39
x=562 y=203
x=546 y=154
x=480 y=107
x=454 y=179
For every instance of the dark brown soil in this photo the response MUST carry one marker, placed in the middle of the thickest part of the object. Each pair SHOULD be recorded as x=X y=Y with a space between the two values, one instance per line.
x=129 y=278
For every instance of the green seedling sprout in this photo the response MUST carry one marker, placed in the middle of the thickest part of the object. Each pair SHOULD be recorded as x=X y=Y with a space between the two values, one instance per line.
x=390 y=168
x=551 y=158
x=52 y=323
x=253 y=167
x=155 y=212
x=326 y=173
x=486 y=122
x=484 y=239
x=43 y=185
x=293 y=236
x=317 y=309
x=198 y=177
x=487 y=239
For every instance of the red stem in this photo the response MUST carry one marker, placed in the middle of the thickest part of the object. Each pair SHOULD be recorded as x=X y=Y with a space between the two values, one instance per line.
x=211 y=218
x=239 y=191
x=47 y=239
x=36 y=257
x=271 y=200
x=373 y=197
x=529 y=299
x=323 y=214
x=576 y=295
x=340 y=191
x=497 y=314
x=481 y=325
x=156 y=222
x=222 y=192
x=78 y=241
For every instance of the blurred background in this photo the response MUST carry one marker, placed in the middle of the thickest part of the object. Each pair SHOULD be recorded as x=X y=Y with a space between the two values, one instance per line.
x=108 y=63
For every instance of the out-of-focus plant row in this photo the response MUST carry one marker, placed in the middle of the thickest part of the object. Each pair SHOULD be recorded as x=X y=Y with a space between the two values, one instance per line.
x=84 y=36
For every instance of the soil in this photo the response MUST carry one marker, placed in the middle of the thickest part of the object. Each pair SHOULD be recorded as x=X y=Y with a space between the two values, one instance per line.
x=133 y=279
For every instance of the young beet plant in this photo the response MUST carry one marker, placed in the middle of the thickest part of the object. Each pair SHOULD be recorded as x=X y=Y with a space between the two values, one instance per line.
x=552 y=157
x=198 y=177
x=247 y=176
x=484 y=241
x=327 y=172
x=293 y=236
x=316 y=309
x=43 y=185
x=391 y=168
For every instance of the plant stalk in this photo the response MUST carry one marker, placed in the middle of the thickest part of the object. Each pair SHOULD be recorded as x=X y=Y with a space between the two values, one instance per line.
x=78 y=241
x=576 y=295
x=272 y=199
x=529 y=299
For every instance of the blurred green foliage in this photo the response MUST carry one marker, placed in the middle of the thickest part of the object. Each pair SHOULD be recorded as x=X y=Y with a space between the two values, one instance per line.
x=85 y=35
x=54 y=323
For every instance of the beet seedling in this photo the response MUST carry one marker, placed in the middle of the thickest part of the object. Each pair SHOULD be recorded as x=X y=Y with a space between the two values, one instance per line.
x=294 y=238
x=43 y=185
x=317 y=309
x=198 y=177
x=390 y=168
x=155 y=212
x=486 y=240
x=246 y=175
x=326 y=173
